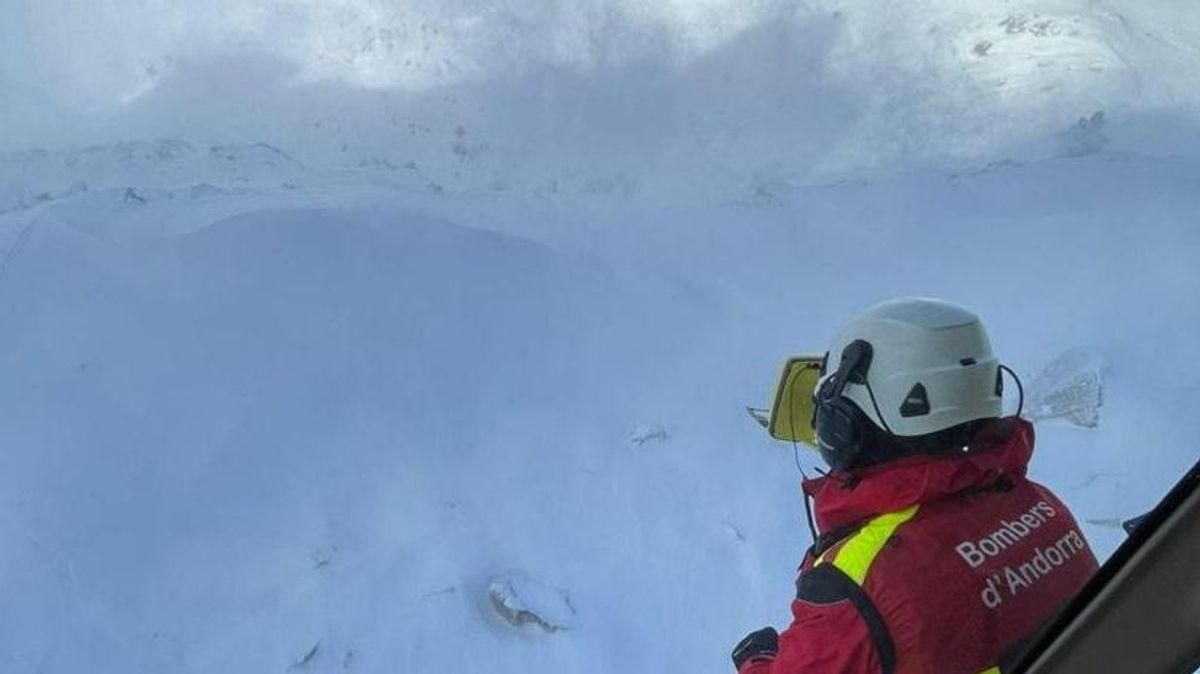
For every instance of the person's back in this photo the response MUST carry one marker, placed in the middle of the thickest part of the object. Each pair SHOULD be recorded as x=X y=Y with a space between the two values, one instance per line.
x=937 y=554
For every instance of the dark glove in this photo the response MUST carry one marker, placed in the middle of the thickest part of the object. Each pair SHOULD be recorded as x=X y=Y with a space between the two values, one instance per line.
x=761 y=644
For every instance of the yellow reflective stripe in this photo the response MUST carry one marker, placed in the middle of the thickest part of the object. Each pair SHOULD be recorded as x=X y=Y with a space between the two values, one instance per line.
x=855 y=556
x=991 y=670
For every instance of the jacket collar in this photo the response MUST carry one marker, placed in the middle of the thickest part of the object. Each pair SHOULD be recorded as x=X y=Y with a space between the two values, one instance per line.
x=845 y=498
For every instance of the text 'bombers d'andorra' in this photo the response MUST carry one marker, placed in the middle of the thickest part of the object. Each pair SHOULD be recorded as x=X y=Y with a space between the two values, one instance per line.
x=1009 y=533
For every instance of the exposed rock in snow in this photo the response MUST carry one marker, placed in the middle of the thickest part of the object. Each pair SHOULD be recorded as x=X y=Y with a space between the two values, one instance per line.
x=323 y=556
x=1086 y=136
x=308 y=658
x=648 y=433
x=523 y=601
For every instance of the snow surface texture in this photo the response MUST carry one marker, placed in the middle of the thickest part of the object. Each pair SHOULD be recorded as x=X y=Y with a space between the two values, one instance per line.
x=610 y=97
x=323 y=356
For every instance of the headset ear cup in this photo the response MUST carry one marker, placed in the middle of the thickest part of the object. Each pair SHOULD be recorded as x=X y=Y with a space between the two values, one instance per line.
x=839 y=422
x=839 y=432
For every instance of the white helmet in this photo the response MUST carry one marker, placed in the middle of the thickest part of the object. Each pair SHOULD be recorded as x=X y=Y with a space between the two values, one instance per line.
x=931 y=366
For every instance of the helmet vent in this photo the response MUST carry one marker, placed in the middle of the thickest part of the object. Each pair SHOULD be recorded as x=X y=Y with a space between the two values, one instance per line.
x=966 y=362
x=916 y=403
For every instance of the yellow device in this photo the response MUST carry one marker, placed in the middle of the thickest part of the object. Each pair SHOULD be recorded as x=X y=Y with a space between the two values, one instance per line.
x=792 y=407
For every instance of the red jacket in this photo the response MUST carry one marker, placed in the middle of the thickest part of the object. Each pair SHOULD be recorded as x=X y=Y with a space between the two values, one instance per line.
x=927 y=564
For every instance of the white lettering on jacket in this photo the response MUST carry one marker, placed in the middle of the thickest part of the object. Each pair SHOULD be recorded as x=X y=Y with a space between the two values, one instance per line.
x=1006 y=535
x=1043 y=562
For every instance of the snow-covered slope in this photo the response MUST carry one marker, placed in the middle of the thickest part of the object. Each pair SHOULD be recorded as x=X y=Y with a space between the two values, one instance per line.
x=309 y=425
x=309 y=428
x=719 y=97
x=332 y=331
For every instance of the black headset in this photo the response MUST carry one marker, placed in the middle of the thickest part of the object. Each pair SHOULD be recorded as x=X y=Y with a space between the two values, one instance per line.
x=841 y=425
x=838 y=422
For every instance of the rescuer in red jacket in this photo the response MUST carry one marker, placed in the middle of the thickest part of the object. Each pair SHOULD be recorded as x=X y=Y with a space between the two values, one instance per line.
x=936 y=554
